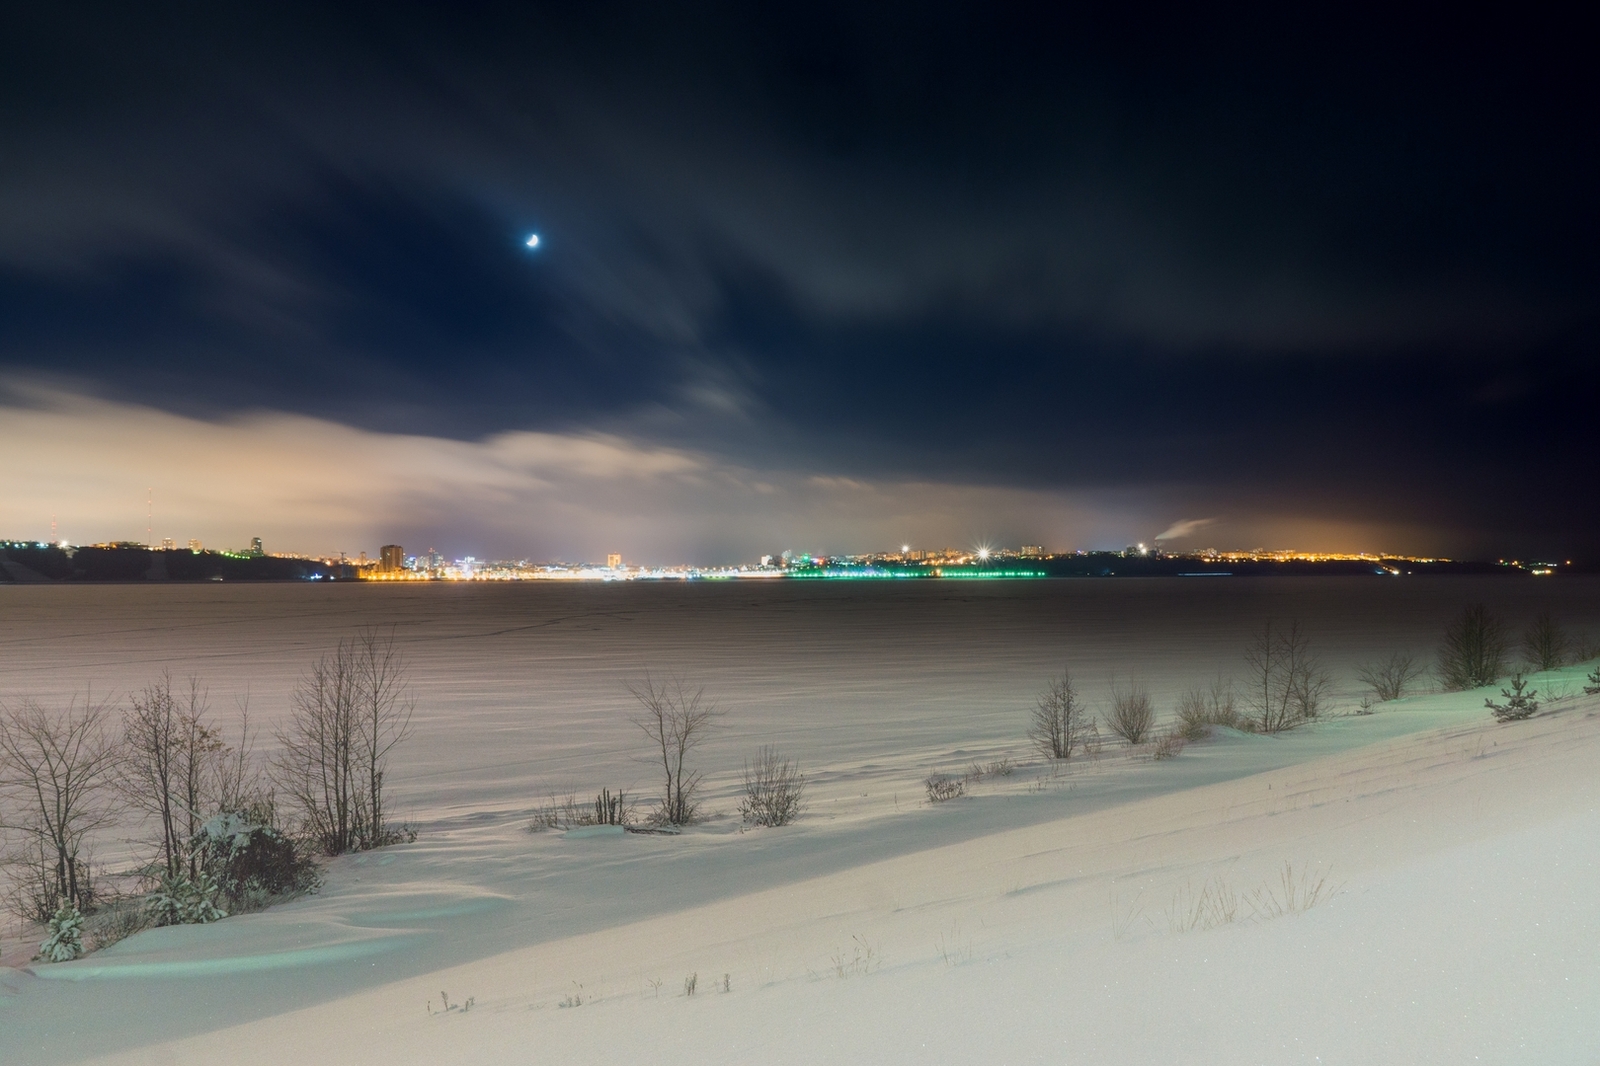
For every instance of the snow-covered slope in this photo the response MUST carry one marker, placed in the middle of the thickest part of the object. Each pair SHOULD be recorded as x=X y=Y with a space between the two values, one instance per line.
x=1454 y=876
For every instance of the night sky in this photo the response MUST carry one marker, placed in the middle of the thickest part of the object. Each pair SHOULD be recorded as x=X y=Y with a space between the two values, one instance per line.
x=807 y=279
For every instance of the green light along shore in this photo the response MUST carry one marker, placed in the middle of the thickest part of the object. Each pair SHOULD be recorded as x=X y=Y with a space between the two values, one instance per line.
x=881 y=573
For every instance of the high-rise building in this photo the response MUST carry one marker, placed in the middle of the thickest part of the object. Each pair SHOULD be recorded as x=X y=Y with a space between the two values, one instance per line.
x=168 y=544
x=614 y=560
x=1032 y=551
x=194 y=544
x=255 y=546
x=391 y=559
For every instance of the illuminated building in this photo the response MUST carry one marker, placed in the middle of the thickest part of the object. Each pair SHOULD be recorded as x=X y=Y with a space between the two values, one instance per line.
x=614 y=561
x=391 y=559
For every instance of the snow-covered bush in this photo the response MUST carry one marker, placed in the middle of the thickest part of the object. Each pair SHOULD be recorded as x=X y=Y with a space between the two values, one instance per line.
x=941 y=788
x=65 y=941
x=1593 y=687
x=177 y=900
x=1520 y=702
x=247 y=855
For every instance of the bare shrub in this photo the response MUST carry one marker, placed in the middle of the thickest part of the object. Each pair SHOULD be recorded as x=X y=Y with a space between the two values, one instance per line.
x=1296 y=893
x=941 y=788
x=677 y=720
x=1132 y=714
x=607 y=808
x=116 y=921
x=774 y=790
x=55 y=771
x=1584 y=646
x=1390 y=679
x=612 y=809
x=555 y=813
x=1200 y=707
x=1218 y=903
x=347 y=714
x=1001 y=767
x=1168 y=744
x=1191 y=713
x=863 y=958
x=1286 y=683
x=1544 y=643
x=1474 y=650
x=1060 y=719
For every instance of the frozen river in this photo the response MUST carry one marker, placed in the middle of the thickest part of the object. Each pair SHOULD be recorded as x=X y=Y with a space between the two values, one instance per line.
x=520 y=688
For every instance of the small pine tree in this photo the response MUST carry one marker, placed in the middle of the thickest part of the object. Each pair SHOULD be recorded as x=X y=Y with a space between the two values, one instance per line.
x=65 y=941
x=1519 y=704
x=1593 y=687
x=180 y=901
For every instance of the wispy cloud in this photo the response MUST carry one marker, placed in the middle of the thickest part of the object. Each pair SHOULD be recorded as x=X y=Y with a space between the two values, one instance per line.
x=1187 y=527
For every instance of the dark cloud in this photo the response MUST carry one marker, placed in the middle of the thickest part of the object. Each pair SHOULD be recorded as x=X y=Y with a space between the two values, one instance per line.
x=1337 y=267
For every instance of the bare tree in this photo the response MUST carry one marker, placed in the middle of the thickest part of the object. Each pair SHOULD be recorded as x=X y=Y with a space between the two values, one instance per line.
x=1390 y=678
x=1474 y=650
x=676 y=719
x=1286 y=683
x=172 y=755
x=383 y=710
x=1060 y=720
x=314 y=765
x=1544 y=644
x=346 y=715
x=236 y=779
x=774 y=789
x=55 y=767
x=1132 y=713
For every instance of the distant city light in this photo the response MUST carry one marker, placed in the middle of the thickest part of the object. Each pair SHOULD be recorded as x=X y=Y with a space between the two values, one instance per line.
x=904 y=548
x=532 y=241
x=983 y=553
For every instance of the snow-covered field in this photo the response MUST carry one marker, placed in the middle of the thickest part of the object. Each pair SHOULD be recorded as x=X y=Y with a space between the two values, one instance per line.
x=1047 y=917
